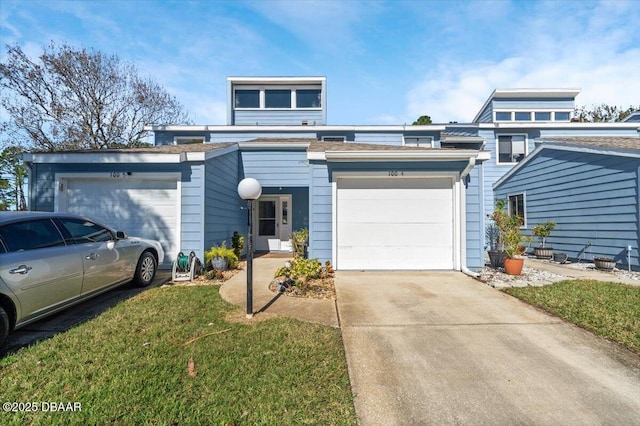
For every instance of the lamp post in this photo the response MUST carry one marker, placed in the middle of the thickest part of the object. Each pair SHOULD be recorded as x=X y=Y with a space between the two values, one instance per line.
x=250 y=190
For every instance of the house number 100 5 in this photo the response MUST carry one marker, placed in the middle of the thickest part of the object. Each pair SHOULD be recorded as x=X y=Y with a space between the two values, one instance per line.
x=395 y=173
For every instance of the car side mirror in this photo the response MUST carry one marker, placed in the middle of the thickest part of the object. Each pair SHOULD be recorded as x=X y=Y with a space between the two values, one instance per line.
x=121 y=235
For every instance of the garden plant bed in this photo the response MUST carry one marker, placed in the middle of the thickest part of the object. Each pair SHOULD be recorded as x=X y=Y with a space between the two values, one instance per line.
x=321 y=288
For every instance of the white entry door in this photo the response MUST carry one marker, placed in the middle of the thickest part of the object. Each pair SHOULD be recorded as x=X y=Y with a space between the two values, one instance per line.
x=272 y=223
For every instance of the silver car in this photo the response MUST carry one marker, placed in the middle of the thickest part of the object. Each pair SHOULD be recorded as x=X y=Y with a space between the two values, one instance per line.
x=49 y=261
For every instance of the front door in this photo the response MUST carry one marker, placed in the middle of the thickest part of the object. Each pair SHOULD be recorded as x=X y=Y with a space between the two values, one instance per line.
x=272 y=223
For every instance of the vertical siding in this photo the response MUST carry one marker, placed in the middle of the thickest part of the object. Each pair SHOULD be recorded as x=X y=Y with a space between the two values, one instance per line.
x=223 y=213
x=277 y=168
x=475 y=219
x=592 y=197
x=320 y=210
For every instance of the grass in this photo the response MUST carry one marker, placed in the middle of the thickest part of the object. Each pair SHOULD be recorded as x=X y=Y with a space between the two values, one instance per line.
x=609 y=309
x=131 y=365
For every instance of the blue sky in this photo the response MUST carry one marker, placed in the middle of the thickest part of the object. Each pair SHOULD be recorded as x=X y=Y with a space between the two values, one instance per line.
x=386 y=62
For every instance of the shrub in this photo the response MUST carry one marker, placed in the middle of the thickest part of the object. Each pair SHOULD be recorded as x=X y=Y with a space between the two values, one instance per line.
x=300 y=239
x=221 y=251
x=237 y=242
x=300 y=269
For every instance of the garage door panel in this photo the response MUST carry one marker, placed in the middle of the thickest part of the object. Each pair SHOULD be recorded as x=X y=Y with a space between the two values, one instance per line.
x=142 y=208
x=394 y=223
x=392 y=258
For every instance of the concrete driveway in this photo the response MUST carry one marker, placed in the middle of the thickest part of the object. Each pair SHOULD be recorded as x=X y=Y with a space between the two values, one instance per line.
x=442 y=348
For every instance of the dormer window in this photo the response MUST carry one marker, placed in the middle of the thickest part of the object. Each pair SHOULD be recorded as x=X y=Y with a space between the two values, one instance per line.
x=277 y=98
x=308 y=98
x=503 y=116
x=543 y=116
x=247 y=99
x=185 y=140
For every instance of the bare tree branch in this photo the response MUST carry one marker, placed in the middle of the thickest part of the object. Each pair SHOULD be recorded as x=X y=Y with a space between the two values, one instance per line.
x=80 y=99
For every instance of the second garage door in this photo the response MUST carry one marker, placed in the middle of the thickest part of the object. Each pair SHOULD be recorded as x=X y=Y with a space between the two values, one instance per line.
x=145 y=208
x=394 y=223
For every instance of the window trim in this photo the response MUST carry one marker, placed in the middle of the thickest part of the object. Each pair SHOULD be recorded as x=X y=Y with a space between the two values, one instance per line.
x=532 y=115
x=526 y=147
x=262 y=95
x=524 y=206
x=418 y=144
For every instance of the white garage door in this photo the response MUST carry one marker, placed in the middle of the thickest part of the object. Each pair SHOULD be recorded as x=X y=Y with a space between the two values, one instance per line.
x=394 y=223
x=140 y=207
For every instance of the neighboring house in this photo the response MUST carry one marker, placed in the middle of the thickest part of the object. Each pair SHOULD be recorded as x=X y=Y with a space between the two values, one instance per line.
x=589 y=186
x=373 y=197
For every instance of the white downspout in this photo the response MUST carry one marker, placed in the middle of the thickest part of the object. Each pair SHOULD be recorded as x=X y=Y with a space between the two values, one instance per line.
x=463 y=255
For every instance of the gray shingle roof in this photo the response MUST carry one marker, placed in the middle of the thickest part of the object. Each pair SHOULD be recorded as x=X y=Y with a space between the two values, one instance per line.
x=626 y=143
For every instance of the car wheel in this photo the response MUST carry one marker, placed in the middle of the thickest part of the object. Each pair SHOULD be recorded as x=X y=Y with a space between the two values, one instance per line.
x=4 y=325
x=146 y=269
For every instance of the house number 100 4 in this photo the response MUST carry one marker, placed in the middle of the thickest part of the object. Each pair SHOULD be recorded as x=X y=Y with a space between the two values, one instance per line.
x=395 y=173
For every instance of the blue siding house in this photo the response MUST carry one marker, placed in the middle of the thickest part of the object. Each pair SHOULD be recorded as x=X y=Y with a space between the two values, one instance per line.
x=373 y=197
x=589 y=186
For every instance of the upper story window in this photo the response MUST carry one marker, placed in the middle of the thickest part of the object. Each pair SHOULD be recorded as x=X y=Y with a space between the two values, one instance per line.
x=308 y=98
x=503 y=116
x=247 y=99
x=511 y=148
x=277 y=98
x=523 y=116
x=561 y=116
x=334 y=139
x=419 y=141
x=184 y=140
x=543 y=116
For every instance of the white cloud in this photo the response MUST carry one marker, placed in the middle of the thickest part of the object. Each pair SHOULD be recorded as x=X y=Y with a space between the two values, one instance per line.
x=594 y=50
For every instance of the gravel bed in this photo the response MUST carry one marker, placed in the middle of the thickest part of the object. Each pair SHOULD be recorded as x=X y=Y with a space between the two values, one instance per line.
x=535 y=277
x=529 y=277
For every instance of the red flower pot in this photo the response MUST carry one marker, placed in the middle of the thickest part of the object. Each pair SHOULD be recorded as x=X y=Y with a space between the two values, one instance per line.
x=513 y=266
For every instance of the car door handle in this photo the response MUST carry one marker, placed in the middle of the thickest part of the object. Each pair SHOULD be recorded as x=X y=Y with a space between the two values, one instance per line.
x=92 y=256
x=22 y=269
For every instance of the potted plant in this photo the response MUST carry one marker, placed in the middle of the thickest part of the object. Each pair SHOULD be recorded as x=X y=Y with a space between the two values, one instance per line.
x=542 y=231
x=604 y=263
x=513 y=240
x=495 y=233
x=221 y=258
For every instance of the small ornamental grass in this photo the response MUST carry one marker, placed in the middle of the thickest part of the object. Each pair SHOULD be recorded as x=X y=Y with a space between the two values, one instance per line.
x=609 y=309
x=170 y=356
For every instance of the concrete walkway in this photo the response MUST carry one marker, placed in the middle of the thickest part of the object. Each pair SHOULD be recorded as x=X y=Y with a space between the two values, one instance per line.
x=234 y=291
x=441 y=348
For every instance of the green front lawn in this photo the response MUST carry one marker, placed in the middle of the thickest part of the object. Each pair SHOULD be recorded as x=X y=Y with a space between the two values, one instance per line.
x=138 y=364
x=609 y=309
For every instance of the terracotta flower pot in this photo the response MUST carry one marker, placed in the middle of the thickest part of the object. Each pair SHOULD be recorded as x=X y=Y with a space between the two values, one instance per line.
x=513 y=266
